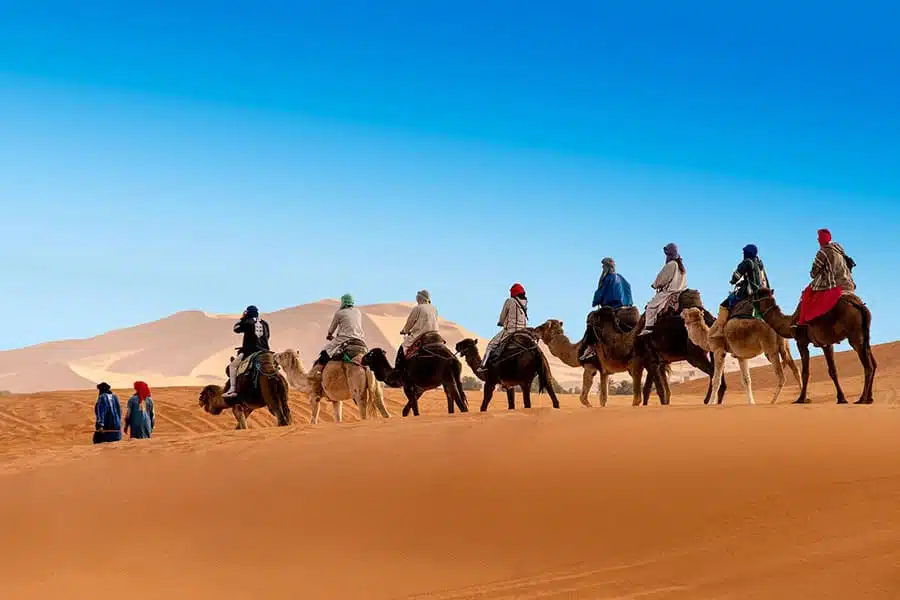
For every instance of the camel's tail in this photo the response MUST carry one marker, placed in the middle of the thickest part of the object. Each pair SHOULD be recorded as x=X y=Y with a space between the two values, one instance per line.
x=543 y=373
x=281 y=393
x=784 y=351
x=457 y=378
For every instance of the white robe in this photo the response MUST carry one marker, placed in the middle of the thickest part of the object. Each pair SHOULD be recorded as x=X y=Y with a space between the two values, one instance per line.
x=346 y=325
x=670 y=282
x=512 y=318
x=422 y=319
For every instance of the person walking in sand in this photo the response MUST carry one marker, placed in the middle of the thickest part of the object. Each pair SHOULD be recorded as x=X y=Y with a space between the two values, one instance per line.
x=139 y=415
x=107 y=416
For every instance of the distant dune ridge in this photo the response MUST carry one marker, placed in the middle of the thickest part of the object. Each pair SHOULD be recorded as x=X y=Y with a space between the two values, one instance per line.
x=192 y=348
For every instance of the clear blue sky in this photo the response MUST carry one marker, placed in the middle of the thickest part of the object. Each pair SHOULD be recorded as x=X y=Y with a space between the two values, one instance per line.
x=157 y=157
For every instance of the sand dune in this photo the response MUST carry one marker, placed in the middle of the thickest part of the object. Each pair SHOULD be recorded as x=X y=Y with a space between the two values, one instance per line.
x=679 y=502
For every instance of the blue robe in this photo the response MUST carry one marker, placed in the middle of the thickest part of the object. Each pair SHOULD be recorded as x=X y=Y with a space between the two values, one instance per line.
x=614 y=291
x=140 y=420
x=108 y=414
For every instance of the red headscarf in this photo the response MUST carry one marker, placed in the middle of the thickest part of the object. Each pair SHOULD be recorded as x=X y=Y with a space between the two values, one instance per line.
x=824 y=237
x=516 y=290
x=143 y=391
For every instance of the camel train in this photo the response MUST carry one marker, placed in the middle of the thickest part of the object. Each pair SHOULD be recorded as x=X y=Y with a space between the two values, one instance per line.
x=679 y=334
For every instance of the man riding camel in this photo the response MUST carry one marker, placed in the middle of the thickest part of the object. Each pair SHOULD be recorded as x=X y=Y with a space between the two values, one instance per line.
x=613 y=291
x=669 y=283
x=748 y=278
x=513 y=317
x=256 y=338
x=422 y=319
x=831 y=275
x=346 y=326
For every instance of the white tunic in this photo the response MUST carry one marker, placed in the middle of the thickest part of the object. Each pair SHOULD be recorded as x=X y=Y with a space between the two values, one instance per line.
x=346 y=325
x=422 y=319
x=670 y=282
x=512 y=318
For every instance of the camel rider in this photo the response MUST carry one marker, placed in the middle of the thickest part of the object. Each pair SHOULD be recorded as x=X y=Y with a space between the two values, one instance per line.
x=669 y=283
x=613 y=291
x=422 y=319
x=346 y=326
x=513 y=317
x=832 y=276
x=748 y=278
x=256 y=338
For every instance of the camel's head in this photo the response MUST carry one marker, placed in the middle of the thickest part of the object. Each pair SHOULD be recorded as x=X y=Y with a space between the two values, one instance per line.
x=211 y=400
x=549 y=329
x=467 y=346
x=375 y=357
x=692 y=315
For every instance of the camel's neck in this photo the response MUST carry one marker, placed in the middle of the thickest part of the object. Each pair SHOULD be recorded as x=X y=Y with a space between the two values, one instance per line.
x=698 y=333
x=473 y=359
x=778 y=321
x=383 y=370
x=562 y=348
x=295 y=374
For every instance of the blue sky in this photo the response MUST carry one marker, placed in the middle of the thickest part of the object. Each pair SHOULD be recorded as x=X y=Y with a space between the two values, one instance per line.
x=156 y=158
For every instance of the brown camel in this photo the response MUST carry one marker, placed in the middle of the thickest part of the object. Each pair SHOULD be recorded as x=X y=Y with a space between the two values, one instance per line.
x=340 y=382
x=744 y=338
x=433 y=365
x=514 y=362
x=618 y=344
x=551 y=333
x=261 y=385
x=850 y=320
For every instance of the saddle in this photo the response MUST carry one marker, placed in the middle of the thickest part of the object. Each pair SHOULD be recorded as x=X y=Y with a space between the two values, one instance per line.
x=523 y=338
x=744 y=309
x=251 y=367
x=432 y=338
x=350 y=351
x=686 y=299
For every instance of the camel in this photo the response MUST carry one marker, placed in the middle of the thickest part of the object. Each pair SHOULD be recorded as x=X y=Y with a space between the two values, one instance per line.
x=515 y=362
x=261 y=385
x=341 y=381
x=744 y=338
x=432 y=366
x=850 y=320
x=619 y=346
x=552 y=334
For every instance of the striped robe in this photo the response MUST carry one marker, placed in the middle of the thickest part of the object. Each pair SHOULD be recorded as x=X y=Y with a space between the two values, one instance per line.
x=830 y=269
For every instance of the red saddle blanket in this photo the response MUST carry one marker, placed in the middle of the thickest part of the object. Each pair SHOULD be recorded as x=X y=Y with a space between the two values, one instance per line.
x=815 y=304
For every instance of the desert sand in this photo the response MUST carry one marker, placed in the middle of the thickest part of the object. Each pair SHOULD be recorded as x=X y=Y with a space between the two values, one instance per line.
x=679 y=502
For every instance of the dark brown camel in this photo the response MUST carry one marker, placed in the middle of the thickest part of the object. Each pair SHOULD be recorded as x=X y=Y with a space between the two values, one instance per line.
x=666 y=344
x=515 y=362
x=433 y=365
x=850 y=320
x=261 y=385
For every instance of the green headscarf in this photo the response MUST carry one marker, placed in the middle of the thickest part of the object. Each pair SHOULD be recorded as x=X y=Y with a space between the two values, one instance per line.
x=346 y=301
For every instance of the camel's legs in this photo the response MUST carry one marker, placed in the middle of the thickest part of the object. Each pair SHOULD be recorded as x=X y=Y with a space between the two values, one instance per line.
x=314 y=405
x=377 y=396
x=412 y=400
x=803 y=349
x=587 y=382
x=238 y=413
x=553 y=399
x=744 y=364
x=603 y=388
x=828 y=351
x=526 y=394
x=338 y=408
x=699 y=358
x=718 y=371
x=488 y=393
x=868 y=362
x=511 y=398
x=780 y=377
x=363 y=404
